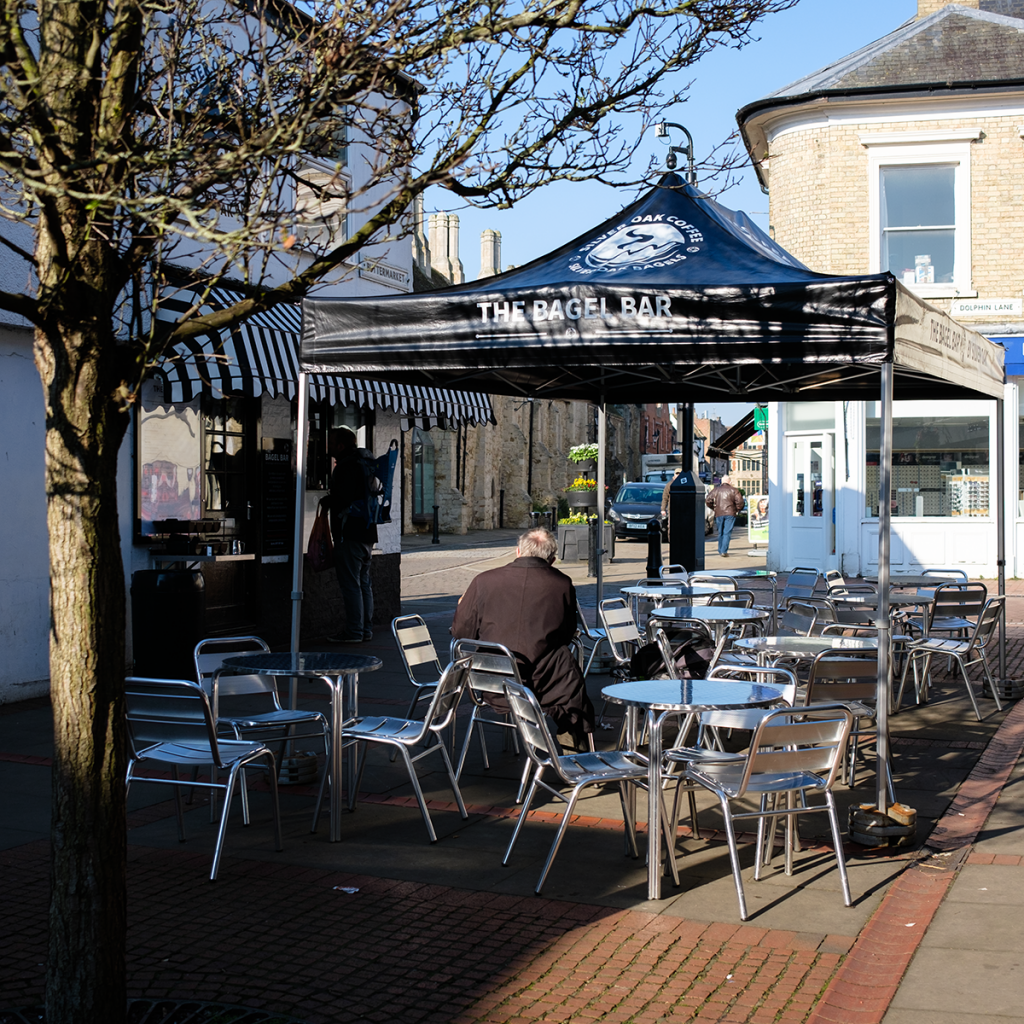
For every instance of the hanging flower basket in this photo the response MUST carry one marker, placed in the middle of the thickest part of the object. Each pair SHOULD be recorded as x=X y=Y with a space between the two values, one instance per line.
x=587 y=465
x=584 y=453
x=581 y=499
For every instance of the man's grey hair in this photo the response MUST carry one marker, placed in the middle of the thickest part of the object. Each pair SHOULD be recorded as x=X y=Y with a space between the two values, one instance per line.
x=538 y=543
x=726 y=479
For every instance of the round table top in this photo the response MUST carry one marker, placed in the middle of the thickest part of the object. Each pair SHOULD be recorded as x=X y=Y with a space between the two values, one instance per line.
x=809 y=645
x=711 y=613
x=738 y=574
x=691 y=694
x=305 y=663
x=909 y=580
x=673 y=590
x=871 y=600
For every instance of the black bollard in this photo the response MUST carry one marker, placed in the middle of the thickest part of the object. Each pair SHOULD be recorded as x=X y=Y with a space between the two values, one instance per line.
x=594 y=547
x=535 y=516
x=653 y=549
x=436 y=539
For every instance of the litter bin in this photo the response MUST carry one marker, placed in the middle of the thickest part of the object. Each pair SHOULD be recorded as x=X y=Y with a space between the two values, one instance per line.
x=168 y=620
x=686 y=522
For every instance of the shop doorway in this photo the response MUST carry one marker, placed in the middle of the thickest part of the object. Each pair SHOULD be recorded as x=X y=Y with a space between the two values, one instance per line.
x=811 y=528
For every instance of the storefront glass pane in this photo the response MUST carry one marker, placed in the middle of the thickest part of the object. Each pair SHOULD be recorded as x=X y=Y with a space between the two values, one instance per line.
x=940 y=465
x=422 y=475
x=810 y=415
x=1020 y=454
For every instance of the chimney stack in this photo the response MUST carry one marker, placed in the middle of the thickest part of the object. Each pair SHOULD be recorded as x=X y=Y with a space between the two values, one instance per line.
x=926 y=7
x=490 y=252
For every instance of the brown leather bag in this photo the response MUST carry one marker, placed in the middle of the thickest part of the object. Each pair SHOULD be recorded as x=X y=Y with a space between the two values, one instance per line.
x=320 y=549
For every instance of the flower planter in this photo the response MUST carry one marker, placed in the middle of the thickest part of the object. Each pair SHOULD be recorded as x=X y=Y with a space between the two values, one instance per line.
x=586 y=465
x=574 y=542
x=581 y=499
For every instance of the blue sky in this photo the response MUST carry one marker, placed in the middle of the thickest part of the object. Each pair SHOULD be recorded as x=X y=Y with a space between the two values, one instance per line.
x=791 y=44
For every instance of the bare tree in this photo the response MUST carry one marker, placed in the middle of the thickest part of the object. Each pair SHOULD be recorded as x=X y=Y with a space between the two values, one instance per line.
x=150 y=144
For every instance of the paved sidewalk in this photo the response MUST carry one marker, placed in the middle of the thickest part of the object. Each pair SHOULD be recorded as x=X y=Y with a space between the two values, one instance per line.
x=444 y=933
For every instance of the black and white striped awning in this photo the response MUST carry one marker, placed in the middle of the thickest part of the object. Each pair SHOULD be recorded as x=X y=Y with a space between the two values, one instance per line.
x=260 y=356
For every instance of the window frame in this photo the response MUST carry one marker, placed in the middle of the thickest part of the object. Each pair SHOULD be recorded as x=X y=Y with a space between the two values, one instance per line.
x=909 y=149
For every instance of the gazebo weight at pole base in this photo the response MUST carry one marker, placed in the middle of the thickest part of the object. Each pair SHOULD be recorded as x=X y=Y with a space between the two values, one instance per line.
x=895 y=828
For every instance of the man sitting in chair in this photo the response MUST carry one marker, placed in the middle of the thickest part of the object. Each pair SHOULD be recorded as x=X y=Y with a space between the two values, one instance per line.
x=530 y=608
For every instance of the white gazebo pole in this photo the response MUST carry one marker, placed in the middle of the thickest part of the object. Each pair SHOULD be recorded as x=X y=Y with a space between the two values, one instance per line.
x=602 y=467
x=1001 y=530
x=884 y=523
x=301 y=434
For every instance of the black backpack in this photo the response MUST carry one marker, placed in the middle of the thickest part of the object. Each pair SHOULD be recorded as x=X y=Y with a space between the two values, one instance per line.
x=367 y=510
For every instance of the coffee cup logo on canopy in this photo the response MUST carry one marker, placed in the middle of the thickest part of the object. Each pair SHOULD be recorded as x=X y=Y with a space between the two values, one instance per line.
x=644 y=242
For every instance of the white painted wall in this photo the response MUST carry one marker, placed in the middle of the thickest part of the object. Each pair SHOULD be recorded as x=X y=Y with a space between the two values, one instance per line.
x=24 y=567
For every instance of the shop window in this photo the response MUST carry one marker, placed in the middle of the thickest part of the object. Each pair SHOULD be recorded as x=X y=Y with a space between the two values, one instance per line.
x=920 y=202
x=323 y=418
x=224 y=443
x=917 y=211
x=422 y=475
x=940 y=464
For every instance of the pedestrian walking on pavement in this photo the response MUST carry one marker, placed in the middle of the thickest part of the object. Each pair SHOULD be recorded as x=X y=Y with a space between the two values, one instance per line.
x=726 y=502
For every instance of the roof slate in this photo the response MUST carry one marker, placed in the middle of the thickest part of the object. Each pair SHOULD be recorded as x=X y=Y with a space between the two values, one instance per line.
x=955 y=45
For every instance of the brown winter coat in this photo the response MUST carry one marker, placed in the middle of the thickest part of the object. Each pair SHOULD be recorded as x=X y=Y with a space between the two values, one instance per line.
x=530 y=607
x=726 y=500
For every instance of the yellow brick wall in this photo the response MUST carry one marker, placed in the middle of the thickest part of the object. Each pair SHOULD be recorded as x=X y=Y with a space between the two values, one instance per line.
x=819 y=199
x=926 y=7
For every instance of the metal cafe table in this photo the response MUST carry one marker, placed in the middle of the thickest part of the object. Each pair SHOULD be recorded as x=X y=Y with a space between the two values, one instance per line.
x=750 y=574
x=658 y=594
x=769 y=648
x=660 y=699
x=721 y=618
x=339 y=671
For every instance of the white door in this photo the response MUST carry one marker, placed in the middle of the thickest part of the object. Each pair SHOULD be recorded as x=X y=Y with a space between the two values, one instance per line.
x=811 y=522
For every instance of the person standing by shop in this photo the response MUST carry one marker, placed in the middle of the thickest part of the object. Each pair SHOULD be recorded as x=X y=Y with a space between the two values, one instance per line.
x=354 y=535
x=726 y=502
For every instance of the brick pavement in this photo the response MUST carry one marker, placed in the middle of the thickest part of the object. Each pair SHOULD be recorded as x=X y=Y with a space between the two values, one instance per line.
x=282 y=937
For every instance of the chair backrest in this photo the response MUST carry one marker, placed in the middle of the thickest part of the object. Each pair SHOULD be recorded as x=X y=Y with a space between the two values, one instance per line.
x=533 y=727
x=444 y=701
x=955 y=575
x=839 y=676
x=799 y=584
x=208 y=657
x=620 y=628
x=957 y=600
x=836 y=583
x=416 y=647
x=784 y=678
x=490 y=665
x=674 y=572
x=783 y=745
x=799 y=618
x=987 y=622
x=708 y=579
x=733 y=599
x=168 y=711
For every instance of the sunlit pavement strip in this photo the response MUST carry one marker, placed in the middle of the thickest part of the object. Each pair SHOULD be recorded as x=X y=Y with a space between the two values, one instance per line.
x=867 y=981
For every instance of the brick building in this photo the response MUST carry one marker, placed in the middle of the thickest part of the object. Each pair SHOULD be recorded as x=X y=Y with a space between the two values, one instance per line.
x=906 y=156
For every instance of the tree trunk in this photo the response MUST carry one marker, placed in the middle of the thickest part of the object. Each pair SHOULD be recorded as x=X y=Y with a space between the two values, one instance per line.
x=86 y=971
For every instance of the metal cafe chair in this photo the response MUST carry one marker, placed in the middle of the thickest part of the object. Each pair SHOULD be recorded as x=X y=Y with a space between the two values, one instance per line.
x=247 y=704
x=789 y=761
x=853 y=680
x=965 y=652
x=170 y=722
x=417 y=649
x=491 y=665
x=402 y=734
x=594 y=636
x=600 y=768
x=676 y=573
